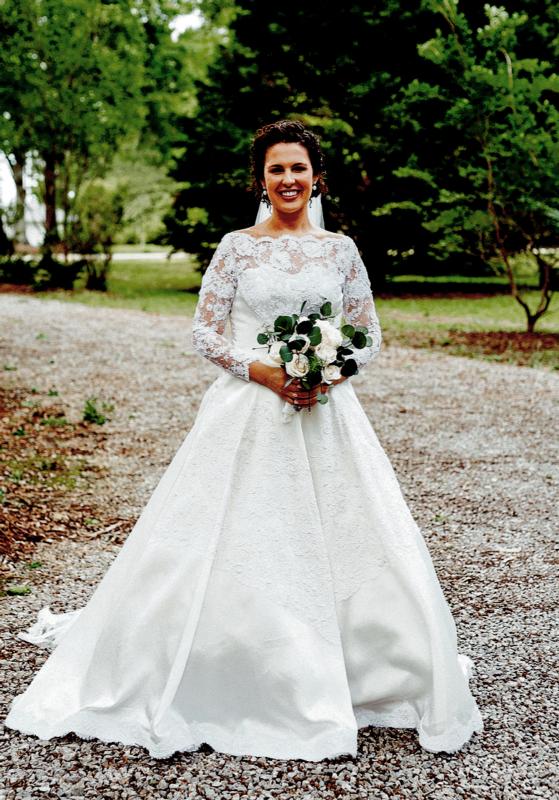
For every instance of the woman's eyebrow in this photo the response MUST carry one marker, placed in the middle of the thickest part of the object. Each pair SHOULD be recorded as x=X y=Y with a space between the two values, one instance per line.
x=295 y=164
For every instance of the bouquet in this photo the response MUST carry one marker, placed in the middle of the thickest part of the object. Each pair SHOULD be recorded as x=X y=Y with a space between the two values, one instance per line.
x=313 y=350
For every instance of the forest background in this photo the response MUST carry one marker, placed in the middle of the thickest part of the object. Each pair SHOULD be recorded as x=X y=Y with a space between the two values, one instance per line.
x=439 y=120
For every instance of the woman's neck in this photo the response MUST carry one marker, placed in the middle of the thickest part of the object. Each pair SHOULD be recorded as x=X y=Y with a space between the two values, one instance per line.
x=297 y=223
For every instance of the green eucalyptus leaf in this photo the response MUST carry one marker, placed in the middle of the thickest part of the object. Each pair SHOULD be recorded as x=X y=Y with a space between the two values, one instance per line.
x=326 y=309
x=349 y=367
x=315 y=336
x=284 y=324
x=286 y=353
x=304 y=327
x=262 y=338
x=348 y=330
x=314 y=378
x=359 y=340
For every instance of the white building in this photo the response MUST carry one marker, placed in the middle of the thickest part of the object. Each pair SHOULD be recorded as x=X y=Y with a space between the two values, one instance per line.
x=34 y=210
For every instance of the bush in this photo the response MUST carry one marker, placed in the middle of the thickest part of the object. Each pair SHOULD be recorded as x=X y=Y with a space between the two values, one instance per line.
x=48 y=273
x=16 y=270
x=52 y=274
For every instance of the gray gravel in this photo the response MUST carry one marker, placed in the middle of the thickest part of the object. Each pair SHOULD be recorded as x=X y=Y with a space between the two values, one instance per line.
x=474 y=445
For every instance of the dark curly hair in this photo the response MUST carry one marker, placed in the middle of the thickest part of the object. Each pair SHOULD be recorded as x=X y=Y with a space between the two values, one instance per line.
x=285 y=130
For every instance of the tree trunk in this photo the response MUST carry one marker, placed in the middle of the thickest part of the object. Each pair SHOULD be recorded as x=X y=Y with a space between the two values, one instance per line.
x=17 y=174
x=6 y=245
x=51 y=230
x=544 y=268
x=65 y=203
x=542 y=276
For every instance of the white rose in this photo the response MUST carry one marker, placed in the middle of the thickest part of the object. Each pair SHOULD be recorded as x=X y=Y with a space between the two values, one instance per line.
x=305 y=338
x=330 y=334
x=325 y=352
x=272 y=357
x=331 y=373
x=298 y=366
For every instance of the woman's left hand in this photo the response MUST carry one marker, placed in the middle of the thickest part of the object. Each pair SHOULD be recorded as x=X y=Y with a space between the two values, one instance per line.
x=324 y=387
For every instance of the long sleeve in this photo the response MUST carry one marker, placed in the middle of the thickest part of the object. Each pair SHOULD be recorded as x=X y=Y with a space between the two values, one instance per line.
x=359 y=305
x=217 y=291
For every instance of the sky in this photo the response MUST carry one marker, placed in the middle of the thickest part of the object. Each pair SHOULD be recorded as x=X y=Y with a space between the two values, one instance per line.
x=34 y=210
x=184 y=21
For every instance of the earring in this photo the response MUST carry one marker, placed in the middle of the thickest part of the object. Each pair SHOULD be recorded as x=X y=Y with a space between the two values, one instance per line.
x=311 y=197
x=265 y=197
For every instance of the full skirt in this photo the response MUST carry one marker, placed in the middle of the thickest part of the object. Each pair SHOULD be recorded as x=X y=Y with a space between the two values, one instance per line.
x=274 y=596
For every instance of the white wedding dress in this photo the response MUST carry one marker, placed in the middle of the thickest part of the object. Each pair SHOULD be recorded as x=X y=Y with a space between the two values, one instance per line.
x=275 y=594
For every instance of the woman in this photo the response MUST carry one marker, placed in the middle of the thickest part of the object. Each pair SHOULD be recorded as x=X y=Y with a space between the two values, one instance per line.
x=275 y=594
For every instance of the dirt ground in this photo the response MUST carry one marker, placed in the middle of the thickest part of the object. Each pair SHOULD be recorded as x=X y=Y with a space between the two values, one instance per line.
x=475 y=448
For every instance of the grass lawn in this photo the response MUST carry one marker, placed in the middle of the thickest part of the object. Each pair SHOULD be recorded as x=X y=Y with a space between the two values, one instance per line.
x=490 y=313
x=469 y=319
x=162 y=287
x=141 y=248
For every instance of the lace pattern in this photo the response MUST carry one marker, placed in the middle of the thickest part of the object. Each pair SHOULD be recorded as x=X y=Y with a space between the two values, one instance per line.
x=215 y=299
x=267 y=262
x=359 y=305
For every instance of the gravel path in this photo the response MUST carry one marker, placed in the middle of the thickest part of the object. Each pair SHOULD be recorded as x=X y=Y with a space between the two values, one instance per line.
x=474 y=445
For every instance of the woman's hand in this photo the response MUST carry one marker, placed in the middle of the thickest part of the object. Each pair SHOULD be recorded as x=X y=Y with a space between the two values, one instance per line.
x=275 y=379
x=325 y=387
x=287 y=388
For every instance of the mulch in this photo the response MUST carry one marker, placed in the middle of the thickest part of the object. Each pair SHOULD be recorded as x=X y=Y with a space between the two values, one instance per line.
x=46 y=477
x=514 y=346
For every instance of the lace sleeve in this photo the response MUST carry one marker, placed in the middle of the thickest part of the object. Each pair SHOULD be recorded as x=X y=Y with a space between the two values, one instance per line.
x=359 y=305
x=217 y=291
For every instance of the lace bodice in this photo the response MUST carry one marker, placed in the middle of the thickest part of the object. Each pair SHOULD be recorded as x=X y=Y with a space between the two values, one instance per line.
x=251 y=280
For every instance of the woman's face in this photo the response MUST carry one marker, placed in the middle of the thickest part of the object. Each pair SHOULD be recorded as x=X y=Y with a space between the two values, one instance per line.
x=288 y=176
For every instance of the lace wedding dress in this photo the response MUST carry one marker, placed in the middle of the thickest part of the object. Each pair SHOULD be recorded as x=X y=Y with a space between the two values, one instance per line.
x=275 y=594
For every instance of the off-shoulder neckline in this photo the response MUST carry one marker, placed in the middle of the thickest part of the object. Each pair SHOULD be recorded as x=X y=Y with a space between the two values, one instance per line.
x=329 y=238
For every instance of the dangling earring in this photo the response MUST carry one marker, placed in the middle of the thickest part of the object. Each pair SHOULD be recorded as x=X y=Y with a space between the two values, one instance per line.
x=265 y=197
x=313 y=190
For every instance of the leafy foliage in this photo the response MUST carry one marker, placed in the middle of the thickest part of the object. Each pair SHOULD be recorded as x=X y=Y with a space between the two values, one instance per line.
x=80 y=80
x=280 y=61
x=491 y=188
x=386 y=107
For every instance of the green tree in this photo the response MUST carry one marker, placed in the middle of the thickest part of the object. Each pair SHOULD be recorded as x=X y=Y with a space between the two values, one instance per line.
x=491 y=189
x=278 y=61
x=73 y=102
x=79 y=80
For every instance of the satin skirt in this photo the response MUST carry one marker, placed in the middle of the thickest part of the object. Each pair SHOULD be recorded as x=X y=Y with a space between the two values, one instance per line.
x=274 y=596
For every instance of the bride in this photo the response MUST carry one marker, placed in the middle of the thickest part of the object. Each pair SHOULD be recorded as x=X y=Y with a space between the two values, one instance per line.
x=275 y=594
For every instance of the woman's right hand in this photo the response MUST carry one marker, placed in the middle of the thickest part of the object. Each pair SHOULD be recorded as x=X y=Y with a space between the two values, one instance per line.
x=275 y=378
